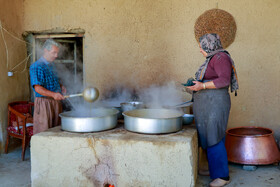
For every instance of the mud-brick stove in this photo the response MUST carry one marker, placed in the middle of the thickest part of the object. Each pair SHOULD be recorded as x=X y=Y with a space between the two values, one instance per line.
x=117 y=157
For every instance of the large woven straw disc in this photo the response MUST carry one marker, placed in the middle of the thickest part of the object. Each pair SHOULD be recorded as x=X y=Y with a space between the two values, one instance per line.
x=216 y=21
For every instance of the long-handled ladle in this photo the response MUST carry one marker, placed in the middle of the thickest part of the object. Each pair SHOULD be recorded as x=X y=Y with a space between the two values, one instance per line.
x=90 y=94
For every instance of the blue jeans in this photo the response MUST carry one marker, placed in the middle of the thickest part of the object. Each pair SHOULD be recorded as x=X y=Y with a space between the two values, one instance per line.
x=217 y=160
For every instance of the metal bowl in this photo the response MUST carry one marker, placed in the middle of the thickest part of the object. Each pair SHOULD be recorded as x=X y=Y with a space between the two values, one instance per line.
x=153 y=121
x=133 y=105
x=251 y=145
x=188 y=119
x=96 y=120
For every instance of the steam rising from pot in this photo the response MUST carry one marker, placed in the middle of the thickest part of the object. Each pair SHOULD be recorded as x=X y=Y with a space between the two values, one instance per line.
x=154 y=96
x=161 y=96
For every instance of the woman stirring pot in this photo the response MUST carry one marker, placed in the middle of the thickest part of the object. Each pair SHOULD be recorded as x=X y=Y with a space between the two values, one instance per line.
x=212 y=104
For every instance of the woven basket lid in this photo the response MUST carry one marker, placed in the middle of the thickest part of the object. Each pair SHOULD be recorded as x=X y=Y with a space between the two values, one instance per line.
x=216 y=21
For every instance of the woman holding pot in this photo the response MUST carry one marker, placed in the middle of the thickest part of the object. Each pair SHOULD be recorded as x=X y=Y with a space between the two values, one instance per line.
x=212 y=104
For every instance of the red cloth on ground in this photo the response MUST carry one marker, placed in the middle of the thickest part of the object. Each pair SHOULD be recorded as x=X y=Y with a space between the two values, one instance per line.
x=14 y=130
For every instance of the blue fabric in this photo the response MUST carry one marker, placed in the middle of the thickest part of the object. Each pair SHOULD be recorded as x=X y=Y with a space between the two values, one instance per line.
x=217 y=160
x=43 y=73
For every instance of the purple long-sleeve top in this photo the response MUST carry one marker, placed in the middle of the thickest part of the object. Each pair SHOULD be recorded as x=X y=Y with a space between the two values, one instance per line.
x=219 y=70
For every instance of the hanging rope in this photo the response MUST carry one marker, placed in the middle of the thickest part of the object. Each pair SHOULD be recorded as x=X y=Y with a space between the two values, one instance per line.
x=5 y=44
x=25 y=60
x=7 y=51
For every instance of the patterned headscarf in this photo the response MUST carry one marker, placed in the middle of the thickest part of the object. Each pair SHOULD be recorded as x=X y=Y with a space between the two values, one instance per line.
x=211 y=44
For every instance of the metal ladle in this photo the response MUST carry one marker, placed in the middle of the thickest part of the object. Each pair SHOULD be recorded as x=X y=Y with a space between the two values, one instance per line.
x=90 y=94
x=184 y=104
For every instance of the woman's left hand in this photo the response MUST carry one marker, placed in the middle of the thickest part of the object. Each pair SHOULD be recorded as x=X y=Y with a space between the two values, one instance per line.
x=198 y=86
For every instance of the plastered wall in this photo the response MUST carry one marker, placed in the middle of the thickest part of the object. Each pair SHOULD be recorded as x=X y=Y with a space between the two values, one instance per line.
x=138 y=43
x=16 y=87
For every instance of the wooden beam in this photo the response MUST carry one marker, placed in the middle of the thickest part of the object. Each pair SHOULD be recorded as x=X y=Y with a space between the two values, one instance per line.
x=59 y=35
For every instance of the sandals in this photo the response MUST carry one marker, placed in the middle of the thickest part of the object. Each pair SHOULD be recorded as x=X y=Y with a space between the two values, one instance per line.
x=219 y=182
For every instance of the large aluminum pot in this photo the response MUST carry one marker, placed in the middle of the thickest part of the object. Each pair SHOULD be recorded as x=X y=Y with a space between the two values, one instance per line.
x=251 y=145
x=93 y=121
x=153 y=121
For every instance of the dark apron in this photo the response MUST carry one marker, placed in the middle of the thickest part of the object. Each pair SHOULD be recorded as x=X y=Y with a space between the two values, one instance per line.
x=211 y=111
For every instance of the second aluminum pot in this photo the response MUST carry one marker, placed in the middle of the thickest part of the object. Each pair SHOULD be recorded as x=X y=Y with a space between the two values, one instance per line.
x=153 y=121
